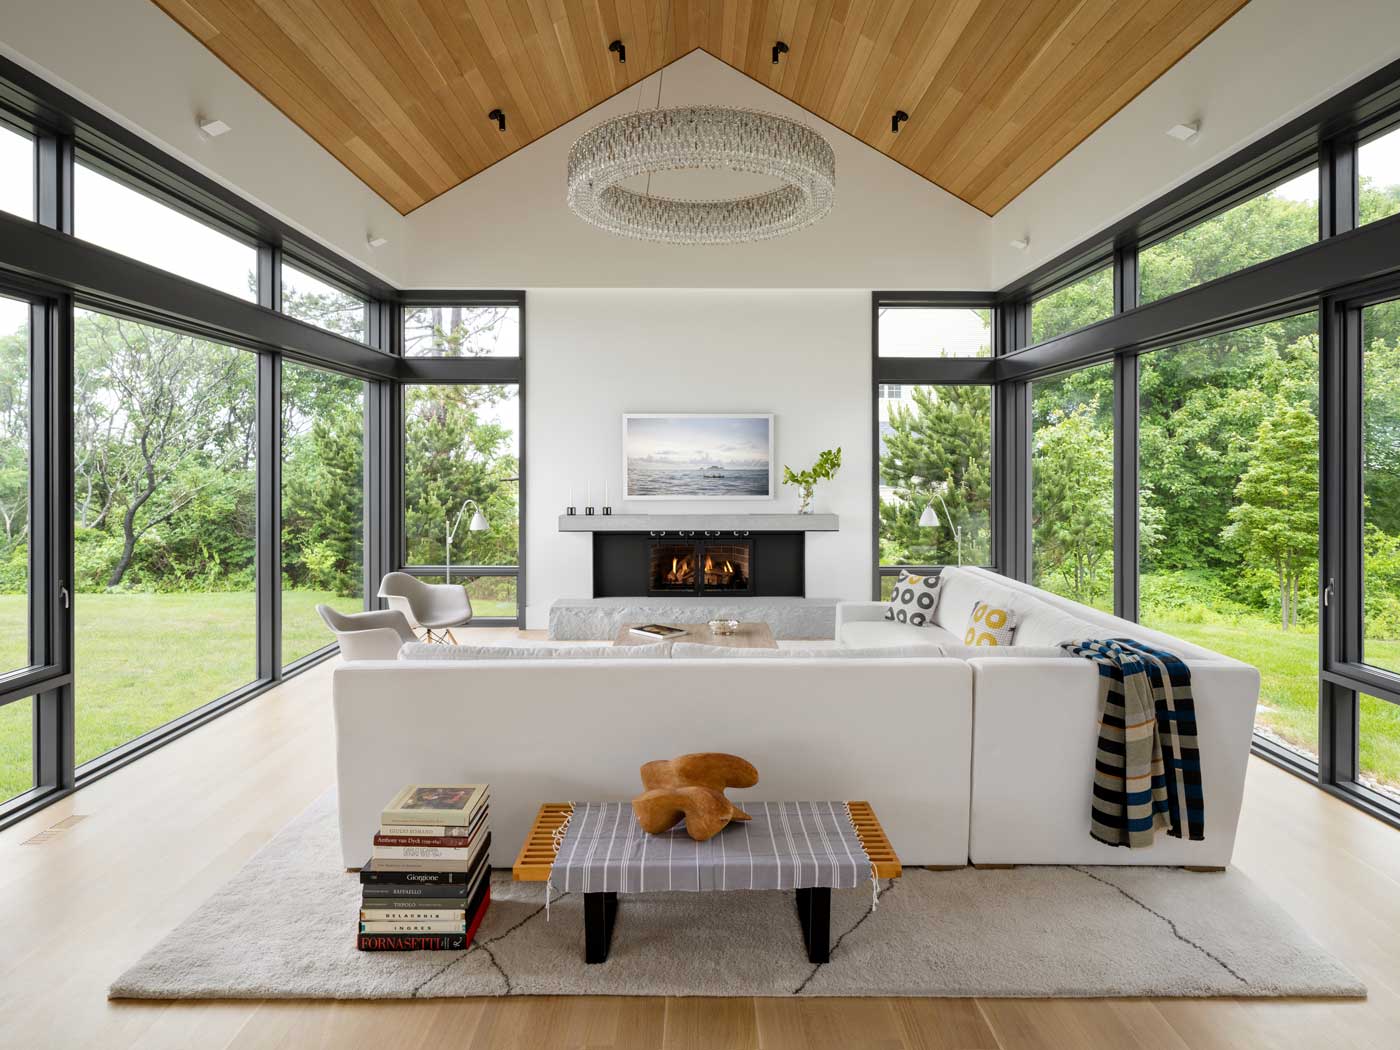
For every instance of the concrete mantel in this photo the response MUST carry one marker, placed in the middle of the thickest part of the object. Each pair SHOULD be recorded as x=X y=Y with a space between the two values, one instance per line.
x=699 y=523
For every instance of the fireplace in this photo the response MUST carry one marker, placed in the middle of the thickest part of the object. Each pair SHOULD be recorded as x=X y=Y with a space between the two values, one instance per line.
x=698 y=564
x=694 y=567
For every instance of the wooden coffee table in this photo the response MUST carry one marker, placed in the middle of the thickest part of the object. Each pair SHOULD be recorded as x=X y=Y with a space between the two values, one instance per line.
x=536 y=860
x=747 y=636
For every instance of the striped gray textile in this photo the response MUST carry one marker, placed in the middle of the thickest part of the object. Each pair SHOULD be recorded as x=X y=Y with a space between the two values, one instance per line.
x=787 y=845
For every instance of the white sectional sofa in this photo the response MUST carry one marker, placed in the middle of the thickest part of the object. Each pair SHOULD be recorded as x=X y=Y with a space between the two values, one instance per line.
x=896 y=733
x=964 y=753
x=1035 y=729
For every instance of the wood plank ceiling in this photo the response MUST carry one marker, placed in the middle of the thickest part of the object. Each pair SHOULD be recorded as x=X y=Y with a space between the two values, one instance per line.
x=997 y=91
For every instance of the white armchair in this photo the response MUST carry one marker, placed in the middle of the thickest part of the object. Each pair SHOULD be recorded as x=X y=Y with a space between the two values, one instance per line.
x=436 y=607
x=376 y=635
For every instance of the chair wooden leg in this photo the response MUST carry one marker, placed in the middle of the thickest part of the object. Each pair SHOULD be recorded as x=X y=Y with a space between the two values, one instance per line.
x=452 y=637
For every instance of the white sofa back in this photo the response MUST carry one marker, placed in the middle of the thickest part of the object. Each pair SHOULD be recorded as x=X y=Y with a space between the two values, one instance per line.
x=896 y=733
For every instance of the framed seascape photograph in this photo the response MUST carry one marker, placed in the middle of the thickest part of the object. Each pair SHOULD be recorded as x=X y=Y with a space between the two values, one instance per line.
x=695 y=456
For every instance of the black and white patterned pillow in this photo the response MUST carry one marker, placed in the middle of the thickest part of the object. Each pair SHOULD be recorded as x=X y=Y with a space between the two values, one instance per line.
x=913 y=599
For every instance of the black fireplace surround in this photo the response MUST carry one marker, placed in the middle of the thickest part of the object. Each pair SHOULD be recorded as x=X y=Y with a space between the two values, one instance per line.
x=699 y=564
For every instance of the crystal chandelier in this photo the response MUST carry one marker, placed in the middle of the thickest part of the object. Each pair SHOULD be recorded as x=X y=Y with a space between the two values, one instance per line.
x=706 y=137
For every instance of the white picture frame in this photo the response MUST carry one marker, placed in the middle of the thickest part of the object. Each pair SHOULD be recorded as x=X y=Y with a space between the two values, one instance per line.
x=727 y=455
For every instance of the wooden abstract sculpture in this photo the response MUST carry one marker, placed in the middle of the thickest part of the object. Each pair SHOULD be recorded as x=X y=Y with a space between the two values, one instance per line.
x=691 y=787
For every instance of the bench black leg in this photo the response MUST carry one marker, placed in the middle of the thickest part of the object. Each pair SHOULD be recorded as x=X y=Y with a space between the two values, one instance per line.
x=814 y=913
x=599 y=915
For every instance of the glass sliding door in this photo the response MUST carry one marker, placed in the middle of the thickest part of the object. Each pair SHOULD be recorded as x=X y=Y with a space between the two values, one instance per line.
x=1228 y=500
x=16 y=443
x=323 y=456
x=1072 y=485
x=935 y=448
x=164 y=522
x=1380 y=485
x=461 y=442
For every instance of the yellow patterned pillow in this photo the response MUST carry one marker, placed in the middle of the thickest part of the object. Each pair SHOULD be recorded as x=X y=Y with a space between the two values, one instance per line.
x=990 y=625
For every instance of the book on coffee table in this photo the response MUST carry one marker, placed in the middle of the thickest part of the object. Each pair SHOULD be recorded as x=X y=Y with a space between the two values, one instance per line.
x=657 y=630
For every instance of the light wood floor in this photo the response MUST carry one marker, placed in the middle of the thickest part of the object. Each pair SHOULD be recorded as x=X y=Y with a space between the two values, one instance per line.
x=160 y=836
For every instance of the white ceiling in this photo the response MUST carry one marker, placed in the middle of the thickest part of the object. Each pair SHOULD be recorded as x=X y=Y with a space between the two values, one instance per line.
x=890 y=229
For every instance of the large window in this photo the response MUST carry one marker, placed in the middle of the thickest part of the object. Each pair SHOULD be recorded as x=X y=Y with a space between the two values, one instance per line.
x=1277 y=221
x=461 y=442
x=1378 y=745
x=111 y=214
x=1380 y=452
x=1087 y=300
x=461 y=331
x=1378 y=175
x=323 y=445
x=1072 y=485
x=309 y=298
x=16 y=748
x=16 y=173
x=15 y=443
x=1228 y=502
x=935 y=331
x=164 y=507
x=936 y=448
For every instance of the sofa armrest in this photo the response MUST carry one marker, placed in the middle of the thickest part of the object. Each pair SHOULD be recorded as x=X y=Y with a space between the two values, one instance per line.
x=377 y=643
x=858 y=612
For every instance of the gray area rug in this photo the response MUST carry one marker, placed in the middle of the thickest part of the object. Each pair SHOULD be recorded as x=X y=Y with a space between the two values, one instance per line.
x=284 y=928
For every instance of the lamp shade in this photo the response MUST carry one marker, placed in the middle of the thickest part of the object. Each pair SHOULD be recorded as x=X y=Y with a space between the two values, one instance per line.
x=929 y=518
x=478 y=522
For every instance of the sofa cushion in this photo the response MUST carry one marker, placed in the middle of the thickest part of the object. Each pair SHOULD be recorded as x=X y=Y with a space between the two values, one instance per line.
x=864 y=634
x=961 y=590
x=700 y=651
x=425 y=651
x=913 y=599
x=1043 y=624
x=991 y=624
x=1031 y=652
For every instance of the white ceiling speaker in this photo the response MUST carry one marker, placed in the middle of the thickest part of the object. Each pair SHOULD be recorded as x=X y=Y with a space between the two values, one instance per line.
x=1184 y=132
x=1021 y=244
x=376 y=242
x=213 y=128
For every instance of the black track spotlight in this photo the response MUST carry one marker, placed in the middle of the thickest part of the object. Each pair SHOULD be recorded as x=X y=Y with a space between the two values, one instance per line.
x=620 y=49
x=899 y=118
x=499 y=117
x=779 y=48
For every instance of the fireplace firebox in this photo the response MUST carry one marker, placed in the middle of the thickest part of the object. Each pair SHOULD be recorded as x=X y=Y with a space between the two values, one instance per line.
x=693 y=567
x=641 y=564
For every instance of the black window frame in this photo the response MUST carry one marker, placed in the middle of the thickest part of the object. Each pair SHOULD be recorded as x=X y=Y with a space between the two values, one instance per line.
x=463 y=371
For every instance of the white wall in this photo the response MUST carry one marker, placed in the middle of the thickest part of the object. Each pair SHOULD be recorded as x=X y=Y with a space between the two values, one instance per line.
x=1272 y=61
x=509 y=227
x=594 y=354
x=130 y=61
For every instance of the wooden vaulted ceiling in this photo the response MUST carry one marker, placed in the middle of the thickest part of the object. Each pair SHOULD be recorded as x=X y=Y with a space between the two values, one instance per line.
x=997 y=91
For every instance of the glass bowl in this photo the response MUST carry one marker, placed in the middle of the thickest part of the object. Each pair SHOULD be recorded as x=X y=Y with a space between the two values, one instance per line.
x=724 y=627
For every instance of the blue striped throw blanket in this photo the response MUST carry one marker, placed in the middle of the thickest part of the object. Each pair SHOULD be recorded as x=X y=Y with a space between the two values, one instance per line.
x=1147 y=772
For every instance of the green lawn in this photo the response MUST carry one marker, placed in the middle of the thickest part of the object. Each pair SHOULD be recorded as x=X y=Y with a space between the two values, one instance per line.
x=145 y=659
x=1287 y=662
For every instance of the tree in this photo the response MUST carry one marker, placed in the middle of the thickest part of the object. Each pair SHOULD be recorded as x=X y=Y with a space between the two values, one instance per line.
x=1274 y=521
x=1072 y=497
x=944 y=439
x=162 y=417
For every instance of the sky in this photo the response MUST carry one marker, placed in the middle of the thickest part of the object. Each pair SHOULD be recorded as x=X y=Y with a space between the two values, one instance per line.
x=685 y=442
x=933 y=333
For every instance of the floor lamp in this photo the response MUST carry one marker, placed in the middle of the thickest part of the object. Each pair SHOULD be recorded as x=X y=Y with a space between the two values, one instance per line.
x=929 y=520
x=478 y=523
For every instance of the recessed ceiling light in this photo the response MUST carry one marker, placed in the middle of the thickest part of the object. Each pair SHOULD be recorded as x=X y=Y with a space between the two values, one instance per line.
x=1184 y=132
x=377 y=242
x=213 y=128
x=1021 y=244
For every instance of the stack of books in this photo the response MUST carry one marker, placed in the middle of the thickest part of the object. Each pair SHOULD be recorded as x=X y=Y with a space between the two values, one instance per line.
x=428 y=882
